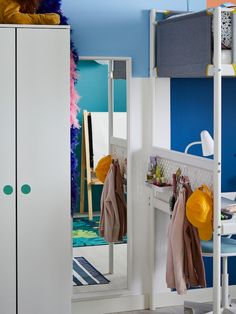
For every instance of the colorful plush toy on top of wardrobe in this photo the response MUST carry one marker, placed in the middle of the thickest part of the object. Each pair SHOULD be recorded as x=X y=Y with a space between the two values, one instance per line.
x=24 y=12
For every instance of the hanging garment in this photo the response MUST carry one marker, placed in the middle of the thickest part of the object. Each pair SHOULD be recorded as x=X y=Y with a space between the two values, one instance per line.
x=175 y=277
x=109 y=221
x=194 y=270
x=121 y=202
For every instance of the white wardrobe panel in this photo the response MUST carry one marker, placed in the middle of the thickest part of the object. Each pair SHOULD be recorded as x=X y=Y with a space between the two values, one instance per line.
x=43 y=143
x=7 y=173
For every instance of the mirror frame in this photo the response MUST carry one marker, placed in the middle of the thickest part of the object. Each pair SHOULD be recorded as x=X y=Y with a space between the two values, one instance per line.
x=122 y=142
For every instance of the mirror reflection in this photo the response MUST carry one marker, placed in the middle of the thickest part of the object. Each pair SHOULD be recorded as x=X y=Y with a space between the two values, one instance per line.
x=100 y=222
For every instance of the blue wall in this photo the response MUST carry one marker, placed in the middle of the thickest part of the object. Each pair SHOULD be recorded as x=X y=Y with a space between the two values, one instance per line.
x=117 y=27
x=196 y=5
x=192 y=112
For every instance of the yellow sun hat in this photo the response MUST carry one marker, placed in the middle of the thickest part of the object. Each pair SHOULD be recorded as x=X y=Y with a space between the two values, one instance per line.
x=103 y=167
x=199 y=211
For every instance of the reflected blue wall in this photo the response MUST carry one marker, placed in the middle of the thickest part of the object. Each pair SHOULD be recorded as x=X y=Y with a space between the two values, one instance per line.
x=92 y=86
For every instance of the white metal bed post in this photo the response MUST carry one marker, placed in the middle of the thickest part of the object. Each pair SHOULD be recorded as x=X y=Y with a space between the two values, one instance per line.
x=217 y=161
x=152 y=74
x=152 y=71
x=110 y=134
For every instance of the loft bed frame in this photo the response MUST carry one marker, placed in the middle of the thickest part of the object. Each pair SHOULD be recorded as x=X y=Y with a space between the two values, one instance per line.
x=212 y=67
x=177 y=53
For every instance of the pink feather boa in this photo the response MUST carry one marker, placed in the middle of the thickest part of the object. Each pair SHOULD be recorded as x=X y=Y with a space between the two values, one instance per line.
x=74 y=97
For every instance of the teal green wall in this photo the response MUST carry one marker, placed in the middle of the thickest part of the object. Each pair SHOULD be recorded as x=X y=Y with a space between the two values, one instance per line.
x=120 y=95
x=92 y=87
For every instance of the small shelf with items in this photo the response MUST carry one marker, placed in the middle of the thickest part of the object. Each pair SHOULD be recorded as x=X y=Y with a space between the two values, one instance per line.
x=163 y=184
x=156 y=176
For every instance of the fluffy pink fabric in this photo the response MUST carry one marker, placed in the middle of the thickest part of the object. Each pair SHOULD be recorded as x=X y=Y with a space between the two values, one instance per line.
x=74 y=97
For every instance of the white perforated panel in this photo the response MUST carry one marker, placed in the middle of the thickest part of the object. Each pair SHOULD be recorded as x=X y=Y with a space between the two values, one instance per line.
x=197 y=176
x=120 y=153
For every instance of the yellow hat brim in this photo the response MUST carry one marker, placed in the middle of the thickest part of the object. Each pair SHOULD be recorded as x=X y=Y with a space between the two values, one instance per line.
x=103 y=167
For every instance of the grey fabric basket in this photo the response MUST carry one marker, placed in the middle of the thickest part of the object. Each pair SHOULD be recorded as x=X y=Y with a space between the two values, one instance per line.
x=184 y=45
x=119 y=71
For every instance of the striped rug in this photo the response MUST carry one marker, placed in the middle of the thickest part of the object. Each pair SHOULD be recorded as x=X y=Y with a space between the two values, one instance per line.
x=86 y=274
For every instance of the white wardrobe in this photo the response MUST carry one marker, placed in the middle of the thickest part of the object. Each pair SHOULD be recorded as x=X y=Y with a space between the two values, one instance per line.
x=35 y=225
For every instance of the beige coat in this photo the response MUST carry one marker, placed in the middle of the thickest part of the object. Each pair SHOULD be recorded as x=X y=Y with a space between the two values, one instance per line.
x=184 y=268
x=109 y=221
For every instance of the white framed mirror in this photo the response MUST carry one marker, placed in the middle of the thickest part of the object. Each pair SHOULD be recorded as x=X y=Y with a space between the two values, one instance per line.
x=98 y=265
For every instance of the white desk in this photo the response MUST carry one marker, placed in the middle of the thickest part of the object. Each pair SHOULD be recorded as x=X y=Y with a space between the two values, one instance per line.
x=228 y=226
x=159 y=210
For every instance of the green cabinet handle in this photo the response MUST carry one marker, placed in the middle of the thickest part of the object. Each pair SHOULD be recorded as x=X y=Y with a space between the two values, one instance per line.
x=25 y=189
x=8 y=189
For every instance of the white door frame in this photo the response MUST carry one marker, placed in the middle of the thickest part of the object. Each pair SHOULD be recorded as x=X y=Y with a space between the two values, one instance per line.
x=100 y=295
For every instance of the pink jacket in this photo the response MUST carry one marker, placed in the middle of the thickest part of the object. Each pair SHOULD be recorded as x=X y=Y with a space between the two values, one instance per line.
x=175 y=277
x=109 y=221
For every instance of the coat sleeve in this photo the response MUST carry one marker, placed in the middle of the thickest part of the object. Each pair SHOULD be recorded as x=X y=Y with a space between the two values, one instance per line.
x=109 y=222
x=102 y=218
x=177 y=244
x=170 y=278
x=12 y=15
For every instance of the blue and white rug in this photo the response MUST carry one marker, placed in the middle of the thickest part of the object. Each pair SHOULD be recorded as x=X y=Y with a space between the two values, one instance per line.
x=86 y=274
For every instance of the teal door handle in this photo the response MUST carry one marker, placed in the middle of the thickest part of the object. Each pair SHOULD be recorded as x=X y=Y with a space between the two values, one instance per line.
x=8 y=189
x=25 y=189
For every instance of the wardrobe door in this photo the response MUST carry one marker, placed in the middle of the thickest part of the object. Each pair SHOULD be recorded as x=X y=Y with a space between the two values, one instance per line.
x=43 y=160
x=7 y=173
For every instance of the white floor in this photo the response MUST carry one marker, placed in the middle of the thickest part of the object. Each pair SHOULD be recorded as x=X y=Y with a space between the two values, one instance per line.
x=98 y=256
x=170 y=310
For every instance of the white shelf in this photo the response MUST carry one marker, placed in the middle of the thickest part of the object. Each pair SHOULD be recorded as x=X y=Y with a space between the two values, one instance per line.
x=161 y=189
x=162 y=206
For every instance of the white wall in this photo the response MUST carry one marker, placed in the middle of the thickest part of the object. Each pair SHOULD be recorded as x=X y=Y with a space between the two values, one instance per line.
x=140 y=144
